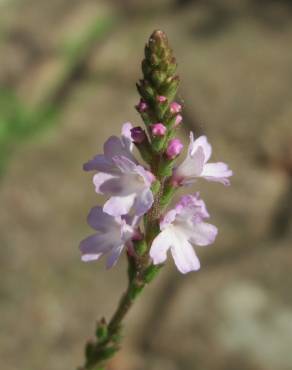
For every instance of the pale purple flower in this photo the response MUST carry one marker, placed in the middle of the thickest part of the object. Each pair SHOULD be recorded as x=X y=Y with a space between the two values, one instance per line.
x=174 y=148
x=114 y=146
x=195 y=165
x=158 y=129
x=129 y=189
x=112 y=235
x=121 y=177
x=175 y=107
x=180 y=228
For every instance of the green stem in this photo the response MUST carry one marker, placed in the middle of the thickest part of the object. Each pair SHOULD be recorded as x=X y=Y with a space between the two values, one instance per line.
x=159 y=81
x=134 y=288
x=104 y=348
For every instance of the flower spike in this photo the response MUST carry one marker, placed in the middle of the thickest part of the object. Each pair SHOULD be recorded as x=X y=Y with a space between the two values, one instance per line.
x=135 y=189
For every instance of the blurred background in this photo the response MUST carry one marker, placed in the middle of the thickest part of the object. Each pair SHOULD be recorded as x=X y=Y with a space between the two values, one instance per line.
x=67 y=74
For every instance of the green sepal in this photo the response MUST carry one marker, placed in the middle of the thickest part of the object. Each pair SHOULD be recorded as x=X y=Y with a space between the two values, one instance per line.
x=169 y=88
x=153 y=230
x=168 y=193
x=107 y=352
x=155 y=187
x=151 y=272
x=146 y=119
x=147 y=52
x=165 y=167
x=160 y=110
x=89 y=349
x=149 y=91
x=170 y=121
x=158 y=143
x=171 y=67
x=102 y=330
x=158 y=78
x=154 y=60
x=146 y=91
x=145 y=151
x=146 y=67
x=140 y=247
x=117 y=338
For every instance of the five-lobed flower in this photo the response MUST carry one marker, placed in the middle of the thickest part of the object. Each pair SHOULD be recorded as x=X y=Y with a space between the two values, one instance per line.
x=113 y=234
x=120 y=177
x=195 y=165
x=180 y=227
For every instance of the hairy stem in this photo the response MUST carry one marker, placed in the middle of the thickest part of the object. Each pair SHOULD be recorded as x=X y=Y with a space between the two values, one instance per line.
x=104 y=348
x=124 y=306
x=157 y=90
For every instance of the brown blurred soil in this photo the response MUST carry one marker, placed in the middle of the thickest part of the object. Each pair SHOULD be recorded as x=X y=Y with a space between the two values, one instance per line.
x=235 y=62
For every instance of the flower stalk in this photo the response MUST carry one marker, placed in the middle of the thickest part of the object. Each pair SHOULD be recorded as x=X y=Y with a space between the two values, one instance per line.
x=139 y=192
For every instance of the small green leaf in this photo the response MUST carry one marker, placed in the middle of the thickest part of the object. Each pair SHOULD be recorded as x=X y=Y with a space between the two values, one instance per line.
x=89 y=349
x=145 y=150
x=165 y=167
x=158 y=144
x=168 y=193
x=108 y=352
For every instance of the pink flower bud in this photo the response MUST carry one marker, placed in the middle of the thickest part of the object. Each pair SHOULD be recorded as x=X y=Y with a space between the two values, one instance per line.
x=142 y=106
x=158 y=129
x=174 y=148
x=178 y=120
x=175 y=107
x=161 y=99
x=138 y=135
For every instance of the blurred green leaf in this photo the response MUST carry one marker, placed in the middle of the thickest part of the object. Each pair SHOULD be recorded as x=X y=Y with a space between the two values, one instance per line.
x=17 y=121
x=74 y=49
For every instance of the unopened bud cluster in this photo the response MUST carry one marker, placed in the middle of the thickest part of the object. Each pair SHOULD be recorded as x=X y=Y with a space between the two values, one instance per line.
x=158 y=89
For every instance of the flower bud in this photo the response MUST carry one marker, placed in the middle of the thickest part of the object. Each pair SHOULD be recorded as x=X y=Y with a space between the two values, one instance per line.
x=161 y=99
x=142 y=106
x=174 y=148
x=138 y=135
x=175 y=107
x=178 y=120
x=158 y=129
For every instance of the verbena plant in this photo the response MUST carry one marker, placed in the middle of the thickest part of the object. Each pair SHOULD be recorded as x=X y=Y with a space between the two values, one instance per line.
x=135 y=218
